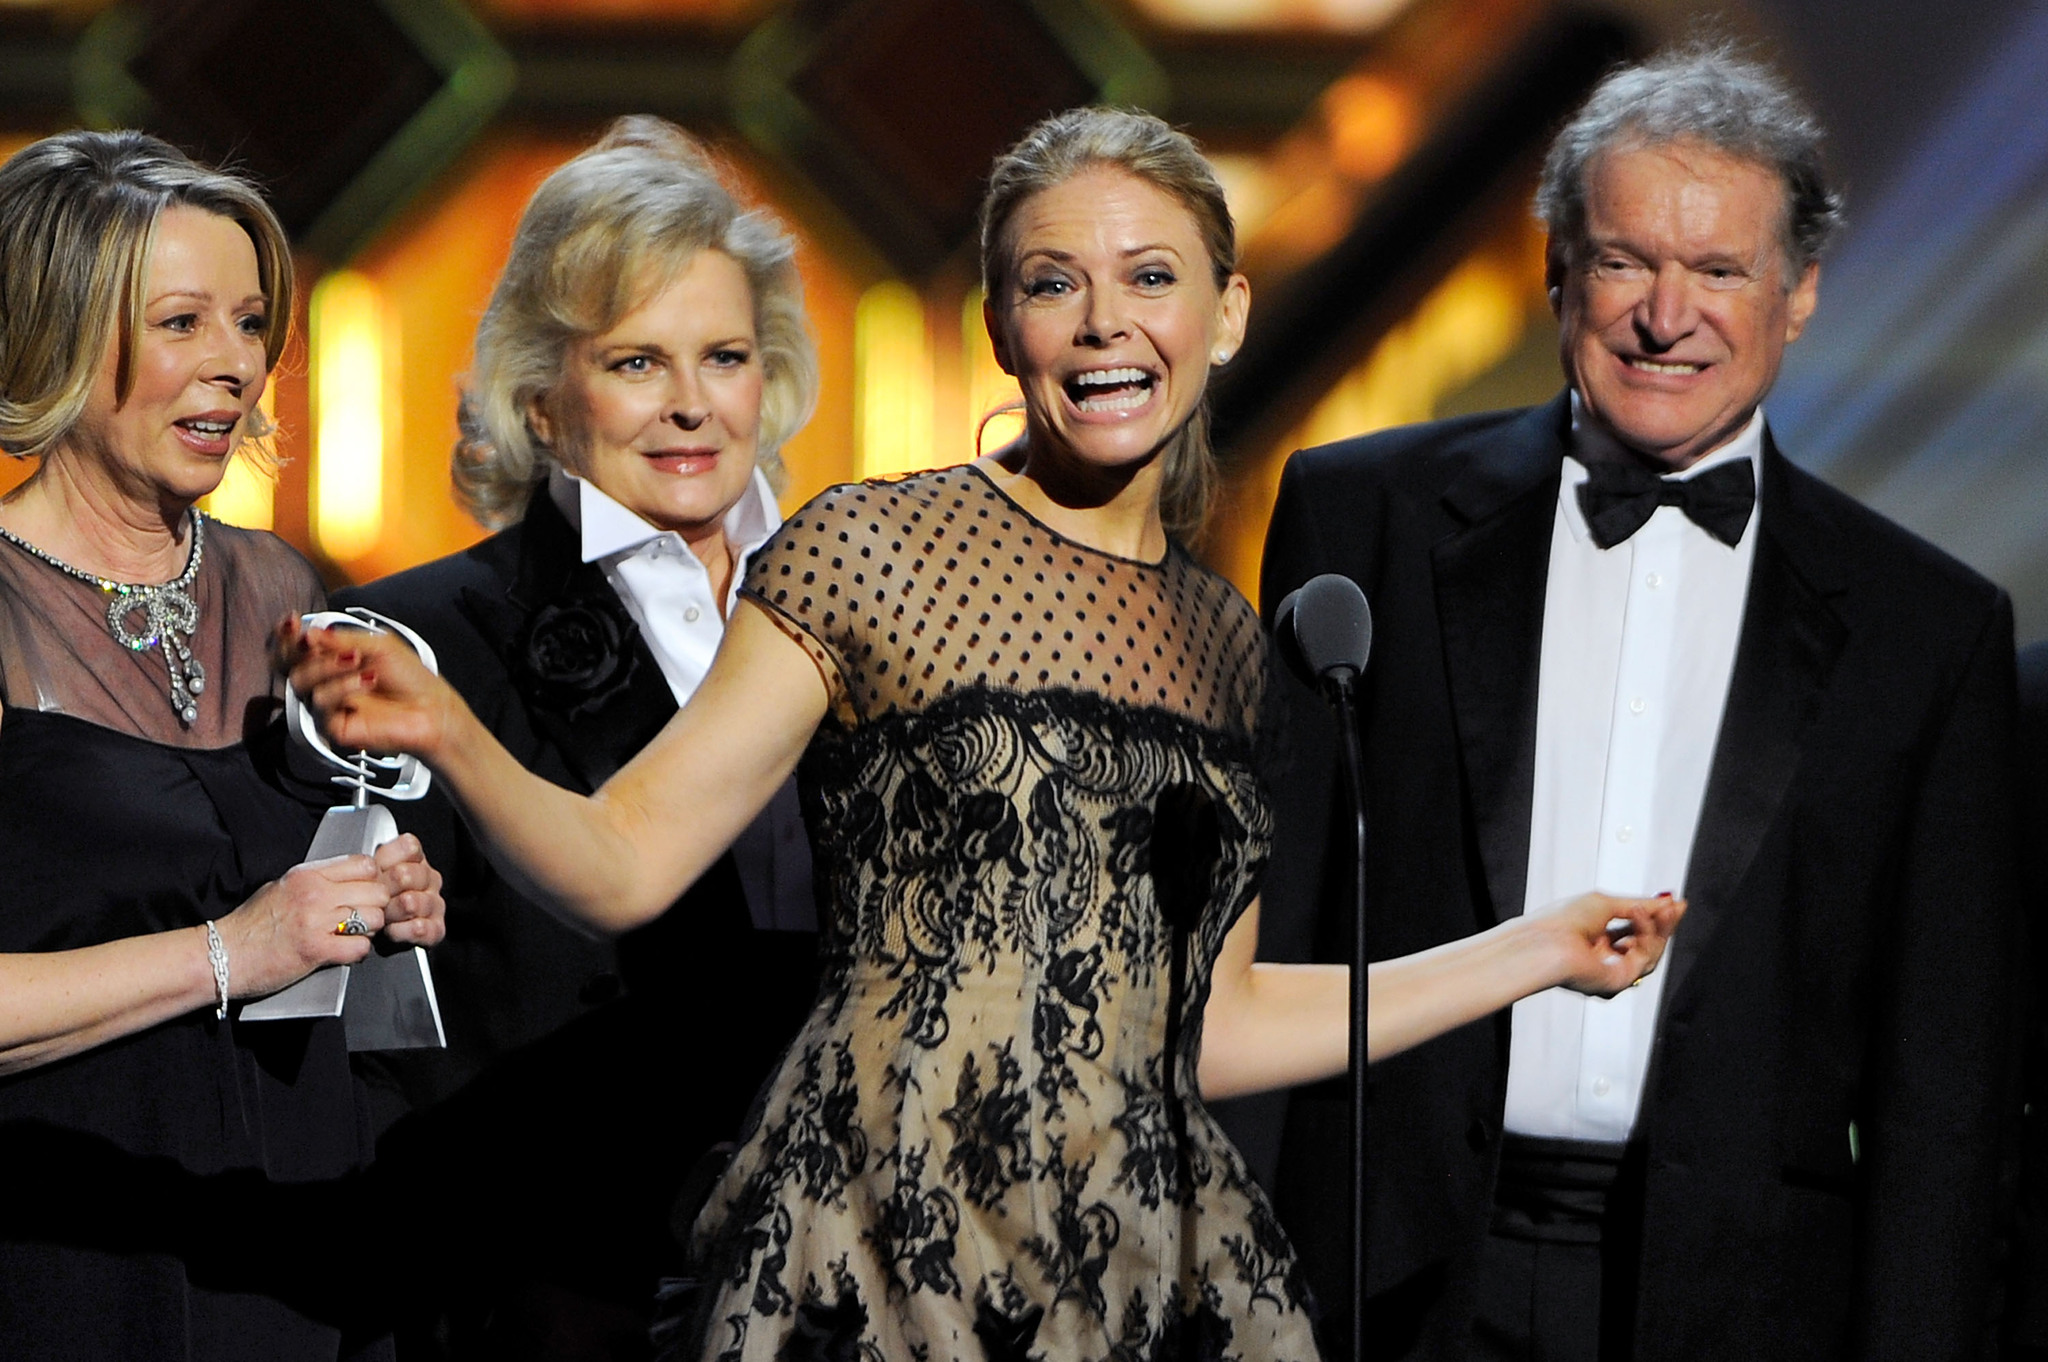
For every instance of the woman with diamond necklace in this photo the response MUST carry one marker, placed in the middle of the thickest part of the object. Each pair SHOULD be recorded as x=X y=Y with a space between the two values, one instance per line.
x=150 y=841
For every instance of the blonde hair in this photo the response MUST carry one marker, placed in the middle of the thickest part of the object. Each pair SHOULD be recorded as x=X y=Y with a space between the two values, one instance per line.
x=604 y=232
x=1064 y=145
x=78 y=218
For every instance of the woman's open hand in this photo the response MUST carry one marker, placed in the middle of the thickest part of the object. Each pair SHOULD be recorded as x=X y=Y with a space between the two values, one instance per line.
x=369 y=690
x=1610 y=943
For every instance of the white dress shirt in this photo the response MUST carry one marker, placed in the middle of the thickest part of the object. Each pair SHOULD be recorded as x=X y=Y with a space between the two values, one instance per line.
x=670 y=595
x=1638 y=646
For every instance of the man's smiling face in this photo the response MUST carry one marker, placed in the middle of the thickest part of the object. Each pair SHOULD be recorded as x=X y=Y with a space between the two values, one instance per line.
x=1676 y=308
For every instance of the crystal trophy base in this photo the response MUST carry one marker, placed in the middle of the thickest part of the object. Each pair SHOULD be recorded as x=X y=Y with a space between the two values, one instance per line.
x=385 y=1000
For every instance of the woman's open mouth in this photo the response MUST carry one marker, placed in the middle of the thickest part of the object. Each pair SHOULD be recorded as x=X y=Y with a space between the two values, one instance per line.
x=208 y=434
x=1110 y=390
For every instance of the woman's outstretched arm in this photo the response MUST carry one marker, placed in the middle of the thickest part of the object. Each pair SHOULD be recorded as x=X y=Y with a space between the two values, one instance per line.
x=1271 y=1025
x=1580 y=947
x=619 y=857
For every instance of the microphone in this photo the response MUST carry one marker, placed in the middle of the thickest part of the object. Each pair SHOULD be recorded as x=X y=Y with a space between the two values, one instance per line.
x=1324 y=631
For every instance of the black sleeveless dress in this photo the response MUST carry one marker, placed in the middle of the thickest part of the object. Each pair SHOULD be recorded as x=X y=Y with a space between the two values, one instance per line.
x=183 y=1192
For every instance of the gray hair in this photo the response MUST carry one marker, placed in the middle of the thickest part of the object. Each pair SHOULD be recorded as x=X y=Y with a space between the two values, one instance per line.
x=1706 y=92
x=606 y=231
x=1062 y=146
x=78 y=218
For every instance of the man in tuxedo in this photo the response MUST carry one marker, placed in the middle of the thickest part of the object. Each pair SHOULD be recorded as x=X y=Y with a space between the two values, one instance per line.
x=2026 y=1306
x=1622 y=643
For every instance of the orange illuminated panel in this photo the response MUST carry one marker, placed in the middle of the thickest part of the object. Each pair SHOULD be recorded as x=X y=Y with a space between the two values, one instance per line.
x=1307 y=191
x=894 y=384
x=356 y=347
x=14 y=472
x=1238 y=16
x=434 y=272
x=994 y=413
x=1477 y=323
x=73 y=11
x=721 y=13
x=1371 y=124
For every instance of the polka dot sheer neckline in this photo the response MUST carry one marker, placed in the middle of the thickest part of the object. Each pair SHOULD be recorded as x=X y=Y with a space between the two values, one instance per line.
x=1155 y=564
x=906 y=592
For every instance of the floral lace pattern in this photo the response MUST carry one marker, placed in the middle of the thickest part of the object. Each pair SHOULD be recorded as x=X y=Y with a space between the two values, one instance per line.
x=987 y=1142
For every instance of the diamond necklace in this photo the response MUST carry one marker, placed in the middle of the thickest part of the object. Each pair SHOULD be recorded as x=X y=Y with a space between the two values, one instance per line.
x=162 y=616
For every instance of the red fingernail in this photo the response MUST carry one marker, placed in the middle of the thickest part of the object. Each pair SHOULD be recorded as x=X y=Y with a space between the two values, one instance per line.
x=1665 y=895
x=367 y=678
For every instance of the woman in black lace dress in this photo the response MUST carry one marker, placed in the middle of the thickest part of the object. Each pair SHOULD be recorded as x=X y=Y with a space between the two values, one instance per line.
x=1022 y=718
x=160 y=1156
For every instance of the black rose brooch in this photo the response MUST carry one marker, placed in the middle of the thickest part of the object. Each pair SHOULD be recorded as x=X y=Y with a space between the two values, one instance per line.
x=576 y=656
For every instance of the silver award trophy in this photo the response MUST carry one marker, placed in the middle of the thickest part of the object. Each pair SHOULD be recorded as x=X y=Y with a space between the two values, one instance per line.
x=386 y=999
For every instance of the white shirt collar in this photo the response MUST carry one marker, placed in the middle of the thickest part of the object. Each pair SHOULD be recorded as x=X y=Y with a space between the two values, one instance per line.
x=1591 y=443
x=607 y=528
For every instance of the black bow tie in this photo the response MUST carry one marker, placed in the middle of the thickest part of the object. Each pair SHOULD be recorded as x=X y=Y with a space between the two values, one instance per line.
x=1618 y=498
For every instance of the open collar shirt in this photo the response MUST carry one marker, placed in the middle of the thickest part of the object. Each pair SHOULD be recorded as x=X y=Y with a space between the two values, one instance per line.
x=670 y=595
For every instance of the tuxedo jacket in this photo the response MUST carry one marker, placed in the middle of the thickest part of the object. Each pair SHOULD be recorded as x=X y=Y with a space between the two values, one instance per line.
x=584 y=1077
x=2027 y=1306
x=1820 y=1126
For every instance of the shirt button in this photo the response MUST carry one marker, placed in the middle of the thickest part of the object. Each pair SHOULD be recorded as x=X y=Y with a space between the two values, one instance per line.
x=1601 y=1087
x=1623 y=833
x=1654 y=580
x=691 y=614
x=1637 y=705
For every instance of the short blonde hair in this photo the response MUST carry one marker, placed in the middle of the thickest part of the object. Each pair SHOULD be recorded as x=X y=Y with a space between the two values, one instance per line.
x=78 y=217
x=1061 y=147
x=604 y=232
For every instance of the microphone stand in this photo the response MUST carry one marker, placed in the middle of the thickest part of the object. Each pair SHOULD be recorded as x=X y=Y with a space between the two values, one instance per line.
x=1324 y=630
x=1337 y=689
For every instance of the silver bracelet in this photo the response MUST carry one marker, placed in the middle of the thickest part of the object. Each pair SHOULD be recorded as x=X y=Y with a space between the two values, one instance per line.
x=217 y=953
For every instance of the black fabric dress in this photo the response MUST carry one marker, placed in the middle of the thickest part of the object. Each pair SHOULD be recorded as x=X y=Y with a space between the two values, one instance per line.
x=184 y=1192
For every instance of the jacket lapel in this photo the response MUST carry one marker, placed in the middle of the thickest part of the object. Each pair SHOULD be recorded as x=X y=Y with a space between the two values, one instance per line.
x=1490 y=579
x=1790 y=639
x=595 y=740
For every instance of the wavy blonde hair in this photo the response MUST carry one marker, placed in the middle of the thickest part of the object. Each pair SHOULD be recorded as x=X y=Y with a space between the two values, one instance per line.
x=606 y=231
x=78 y=218
x=1061 y=147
